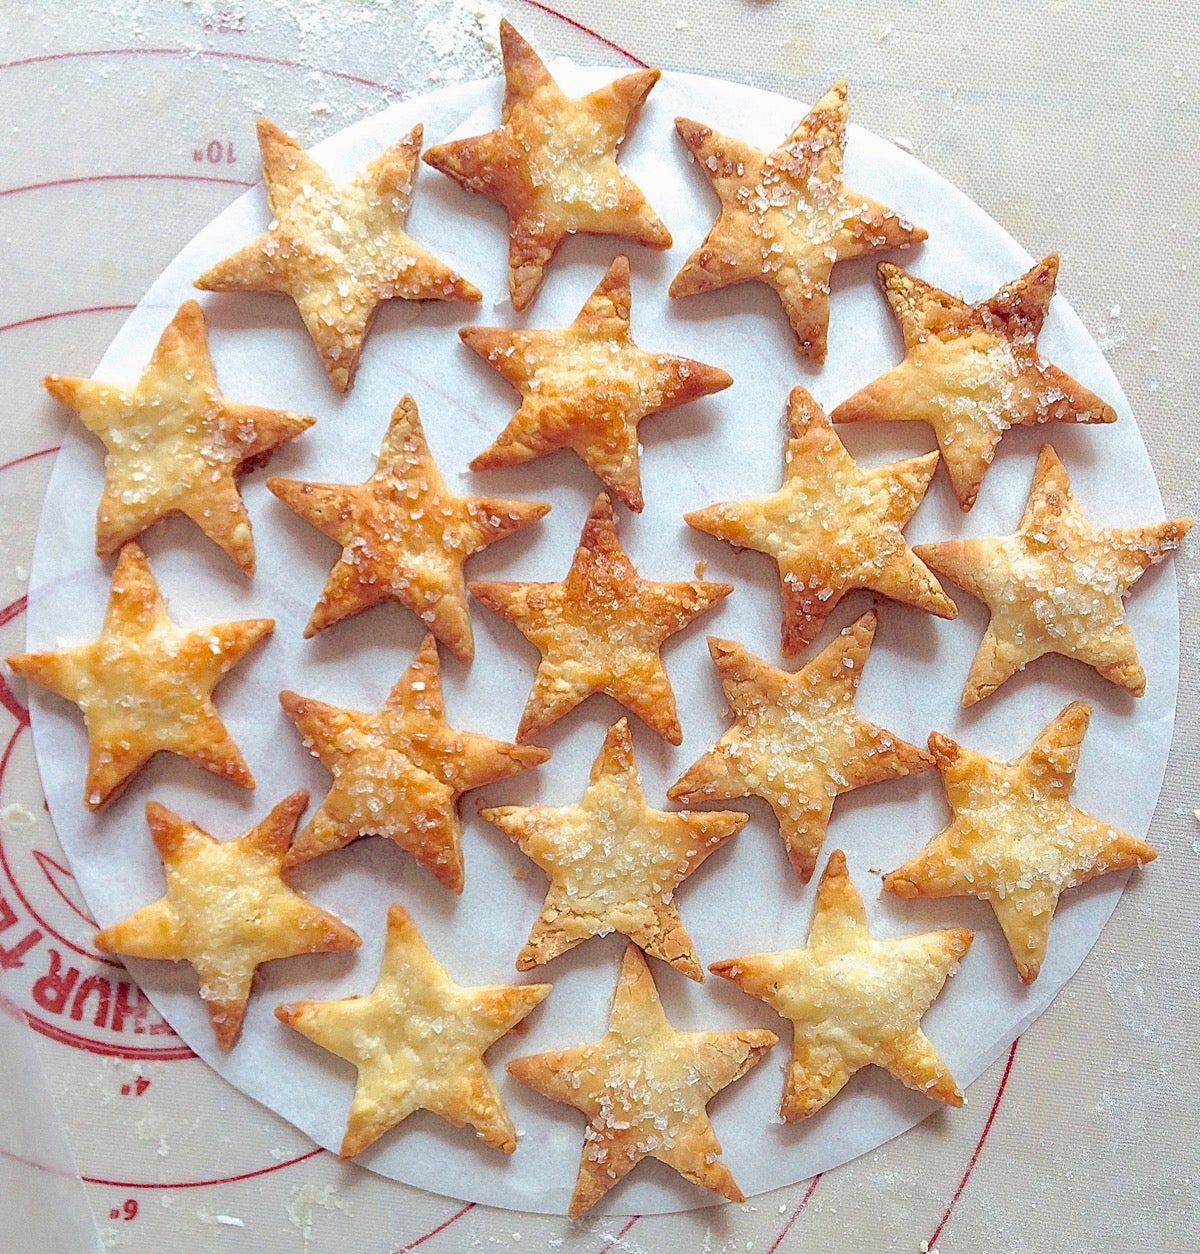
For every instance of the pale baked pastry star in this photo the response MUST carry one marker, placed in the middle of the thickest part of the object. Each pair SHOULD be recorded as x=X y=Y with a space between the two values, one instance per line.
x=645 y=1088
x=614 y=863
x=853 y=1001
x=226 y=910
x=417 y=1040
x=1015 y=840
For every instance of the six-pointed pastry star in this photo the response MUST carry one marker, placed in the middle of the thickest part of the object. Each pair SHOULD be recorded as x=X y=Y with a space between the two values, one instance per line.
x=174 y=444
x=338 y=252
x=146 y=684
x=787 y=217
x=832 y=527
x=614 y=863
x=552 y=164
x=418 y=1040
x=404 y=535
x=1055 y=586
x=587 y=387
x=645 y=1088
x=972 y=371
x=227 y=910
x=797 y=740
x=853 y=1001
x=601 y=630
x=1016 y=841
x=399 y=773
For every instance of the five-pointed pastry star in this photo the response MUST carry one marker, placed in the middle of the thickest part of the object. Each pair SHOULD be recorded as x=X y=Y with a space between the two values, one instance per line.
x=1054 y=586
x=972 y=371
x=797 y=740
x=601 y=630
x=338 y=252
x=418 y=1040
x=227 y=910
x=399 y=773
x=552 y=164
x=787 y=217
x=645 y=1088
x=146 y=684
x=853 y=1001
x=587 y=387
x=613 y=862
x=832 y=527
x=175 y=444
x=404 y=535
x=1016 y=841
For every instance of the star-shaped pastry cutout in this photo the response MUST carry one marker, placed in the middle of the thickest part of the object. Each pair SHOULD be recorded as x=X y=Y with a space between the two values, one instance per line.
x=1016 y=841
x=853 y=1001
x=587 y=387
x=146 y=685
x=614 y=863
x=552 y=164
x=1055 y=586
x=174 y=444
x=645 y=1089
x=601 y=630
x=832 y=527
x=418 y=1040
x=404 y=535
x=226 y=910
x=338 y=252
x=972 y=371
x=787 y=217
x=399 y=773
x=797 y=740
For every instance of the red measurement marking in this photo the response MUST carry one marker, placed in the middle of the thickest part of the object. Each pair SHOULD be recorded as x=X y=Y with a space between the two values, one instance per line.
x=65 y=313
x=56 y=874
x=620 y=1235
x=586 y=30
x=791 y=1219
x=126 y=1211
x=136 y=1089
x=216 y=152
x=18 y=606
x=125 y=178
x=203 y=1184
x=458 y=1214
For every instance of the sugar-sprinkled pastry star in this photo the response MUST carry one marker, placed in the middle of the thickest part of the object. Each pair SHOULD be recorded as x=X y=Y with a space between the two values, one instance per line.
x=399 y=773
x=797 y=740
x=552 y=164
x=832 y=527
x=338 y=252
x=645 y=1089
x=174 y=444
x=146 y=685
x=853 y=1001
x=417 y=1040
x=601 y=630
x=587 y=387
x=226 y=910
x=614 y=863
x=404 y=535
x=787 y=217
x=1016 y=841
x=1054 y=586
x=972 y=371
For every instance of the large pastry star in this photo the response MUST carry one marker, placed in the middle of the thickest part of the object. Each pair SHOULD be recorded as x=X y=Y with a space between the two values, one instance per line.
x=1054 y=586
x=1016 y=841
x=600 y=630
x=174 y=444
x=797 y=740
x=399 y=773
x=853 y=1001
x=552 y=164
x=972 y=371
x=404 y=535
x=587 y=387
x=146 y=685
x=787 y=217
x=832 y=527
x=417 y=1040
x=226 y=910
x=614 y=863
x=338 y=252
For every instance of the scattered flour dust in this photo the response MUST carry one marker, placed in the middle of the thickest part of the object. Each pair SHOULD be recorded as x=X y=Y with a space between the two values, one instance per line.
x=305 y=1199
